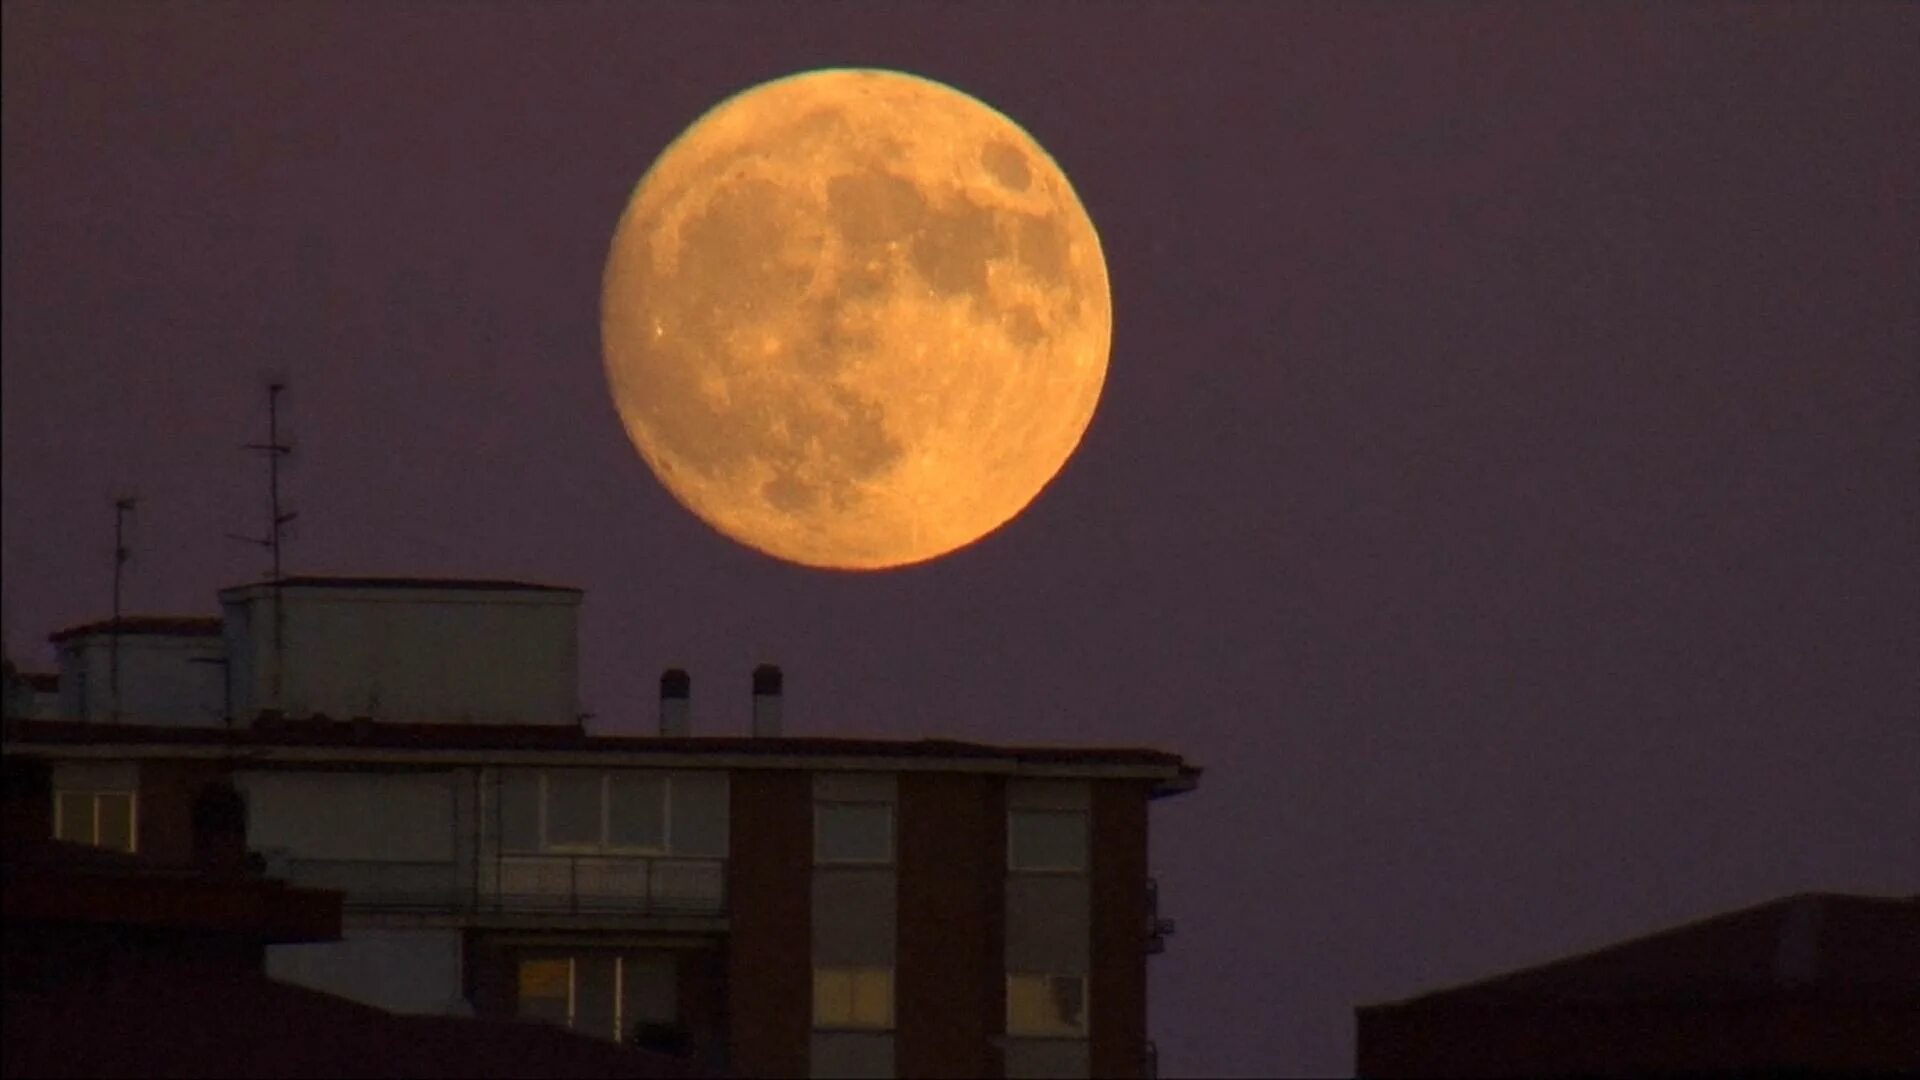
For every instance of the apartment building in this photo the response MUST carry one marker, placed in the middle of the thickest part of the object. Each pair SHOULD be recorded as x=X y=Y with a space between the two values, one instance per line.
x=768 y=905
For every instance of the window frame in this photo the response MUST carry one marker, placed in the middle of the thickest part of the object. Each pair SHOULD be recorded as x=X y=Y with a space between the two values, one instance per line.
x=893 y=839
x=1081 y=1032
x=93 y=796
x=1086 y=848
x=852 y=972
x=603 y=845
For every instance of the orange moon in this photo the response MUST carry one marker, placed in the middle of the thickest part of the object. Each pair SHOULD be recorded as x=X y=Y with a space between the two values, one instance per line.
x=855 y=319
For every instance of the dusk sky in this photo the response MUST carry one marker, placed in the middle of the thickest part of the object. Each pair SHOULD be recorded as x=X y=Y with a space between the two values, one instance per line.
x=1506 y=484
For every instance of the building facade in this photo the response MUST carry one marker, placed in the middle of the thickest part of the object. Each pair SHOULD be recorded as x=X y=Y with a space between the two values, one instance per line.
x=769 y=905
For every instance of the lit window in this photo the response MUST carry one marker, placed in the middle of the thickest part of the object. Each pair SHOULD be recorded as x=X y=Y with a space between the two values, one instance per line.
x=1046 y=1005
x=1047 y=840
x=598 y=993
x=852 y=833
x=546 y=990
x=97 y=818
x=853 y=998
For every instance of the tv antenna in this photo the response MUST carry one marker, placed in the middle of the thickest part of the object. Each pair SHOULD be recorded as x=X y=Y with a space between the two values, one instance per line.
x=274 y=449
x=277 y=521
x=122 y=507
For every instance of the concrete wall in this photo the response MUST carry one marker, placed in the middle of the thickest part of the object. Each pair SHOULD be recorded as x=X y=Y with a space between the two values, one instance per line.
x=164 y=680
x=406 y=971
x=441 y=655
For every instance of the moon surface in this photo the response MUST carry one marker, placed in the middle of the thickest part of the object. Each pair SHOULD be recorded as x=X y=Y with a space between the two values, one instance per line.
x=855 y=319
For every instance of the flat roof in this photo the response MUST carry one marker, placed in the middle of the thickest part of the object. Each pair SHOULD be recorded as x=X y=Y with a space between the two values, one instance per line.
x=318 y=741
x=156 y=625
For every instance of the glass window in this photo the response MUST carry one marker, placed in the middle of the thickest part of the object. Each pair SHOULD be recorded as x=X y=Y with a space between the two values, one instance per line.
x=73 y=816
x=573 y=808
x=853 y=997
x=1047 y=840
x=546 y=990
x=853 y=833
x=1046 y=1005
x=96 y=818
x=699 y=811
x=520 y=811
x=113 y=820
x=636 y=811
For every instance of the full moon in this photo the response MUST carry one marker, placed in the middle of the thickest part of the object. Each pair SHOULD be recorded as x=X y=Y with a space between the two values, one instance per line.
x=855 y=319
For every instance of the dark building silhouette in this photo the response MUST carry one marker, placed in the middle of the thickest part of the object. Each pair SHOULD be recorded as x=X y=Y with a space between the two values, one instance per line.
x=116 y=965
x=1817 y=983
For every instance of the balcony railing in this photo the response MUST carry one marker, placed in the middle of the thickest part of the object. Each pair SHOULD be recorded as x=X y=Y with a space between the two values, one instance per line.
x=558 y=884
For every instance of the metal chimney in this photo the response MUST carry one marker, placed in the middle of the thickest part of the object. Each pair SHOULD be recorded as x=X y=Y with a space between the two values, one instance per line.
x=766 y=701
x=676 y=691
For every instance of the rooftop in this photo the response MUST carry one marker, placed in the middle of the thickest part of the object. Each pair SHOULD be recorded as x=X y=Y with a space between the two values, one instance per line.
x=1824 y=944
x=361 y=736
x=157 y=625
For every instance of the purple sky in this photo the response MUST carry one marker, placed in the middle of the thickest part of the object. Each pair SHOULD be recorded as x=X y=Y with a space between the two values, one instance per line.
x=1507 y=483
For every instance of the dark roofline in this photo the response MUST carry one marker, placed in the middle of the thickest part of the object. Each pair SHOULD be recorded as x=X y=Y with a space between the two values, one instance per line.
x=531 y=738
x=1535 y=985
x=157 y=625
x=421 y=583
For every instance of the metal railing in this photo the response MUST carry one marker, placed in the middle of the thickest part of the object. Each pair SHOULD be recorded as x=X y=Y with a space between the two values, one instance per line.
x=560 y=884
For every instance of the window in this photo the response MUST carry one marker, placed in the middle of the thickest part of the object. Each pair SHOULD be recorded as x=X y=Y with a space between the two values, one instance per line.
x=546 y=990
x=619 y=812
x=853 y=998
x=603 y=994
x=1047 y=1005
x=1047 y=840
x=98 y=818
x=852 y=833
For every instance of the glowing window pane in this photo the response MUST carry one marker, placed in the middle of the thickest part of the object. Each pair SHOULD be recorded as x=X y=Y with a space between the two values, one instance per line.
x=873 y=998
x=853 y=997
x=113 y=817
x=1046 y=1005
x=832 y=997
x=546 y=990
x=73 y=816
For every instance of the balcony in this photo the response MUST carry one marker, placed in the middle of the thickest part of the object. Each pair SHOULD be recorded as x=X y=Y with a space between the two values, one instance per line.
x=529 y=884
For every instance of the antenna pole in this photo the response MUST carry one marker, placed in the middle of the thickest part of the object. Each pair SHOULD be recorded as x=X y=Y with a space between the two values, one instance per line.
x=277 y=520
x=121 y=508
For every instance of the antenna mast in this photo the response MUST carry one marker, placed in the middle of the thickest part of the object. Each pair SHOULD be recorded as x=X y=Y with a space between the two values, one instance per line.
x=277 y=520
x=121 y=508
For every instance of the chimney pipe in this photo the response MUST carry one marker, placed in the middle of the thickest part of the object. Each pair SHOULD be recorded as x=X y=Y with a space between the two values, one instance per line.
x=766 y=701
x=676 y=689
